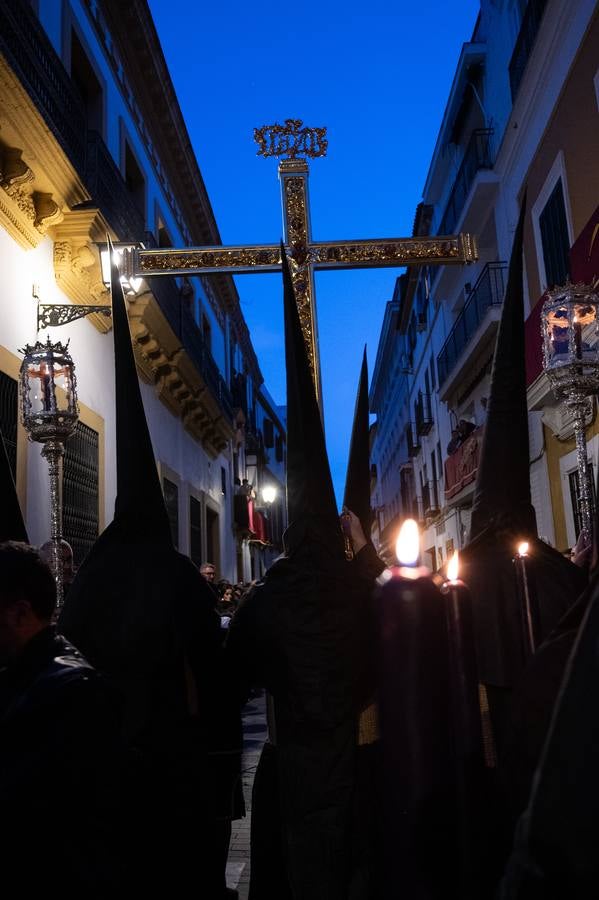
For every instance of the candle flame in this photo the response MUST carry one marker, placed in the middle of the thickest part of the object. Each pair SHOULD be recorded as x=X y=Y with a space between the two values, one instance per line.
x=453 y=567
x=407 y=548
x=523 y=548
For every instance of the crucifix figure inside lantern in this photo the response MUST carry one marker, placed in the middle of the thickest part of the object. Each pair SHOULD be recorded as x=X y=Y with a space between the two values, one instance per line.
x=570 y=332
x=50 y=413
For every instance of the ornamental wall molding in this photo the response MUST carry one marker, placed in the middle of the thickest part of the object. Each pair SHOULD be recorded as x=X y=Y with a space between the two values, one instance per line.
x=77 y=266
x=164 y=363
x=25 y=211
x=37 y=181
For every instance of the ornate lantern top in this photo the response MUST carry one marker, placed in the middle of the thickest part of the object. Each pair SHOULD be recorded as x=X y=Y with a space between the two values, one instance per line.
x=48 y=391
x=570 y=334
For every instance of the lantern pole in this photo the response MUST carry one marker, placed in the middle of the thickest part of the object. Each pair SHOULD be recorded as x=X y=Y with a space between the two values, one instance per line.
x=50 y=414
x=53 y=452
x=580 y=409
x=570 y=330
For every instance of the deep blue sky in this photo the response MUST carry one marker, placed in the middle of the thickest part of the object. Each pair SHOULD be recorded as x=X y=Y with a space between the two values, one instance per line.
x=377 y=75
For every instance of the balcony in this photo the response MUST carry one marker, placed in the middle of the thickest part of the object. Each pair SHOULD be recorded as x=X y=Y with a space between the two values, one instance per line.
x=461 y=467
x=477 y=319
x=478 y=155
x=182 y=322
x=531 y=22
x=424 y=416
x=430 y=500
x=109 y=191
x=412 y=440
x=27 y=49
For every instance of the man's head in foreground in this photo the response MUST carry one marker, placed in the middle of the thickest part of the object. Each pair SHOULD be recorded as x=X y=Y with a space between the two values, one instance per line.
x=27 y=597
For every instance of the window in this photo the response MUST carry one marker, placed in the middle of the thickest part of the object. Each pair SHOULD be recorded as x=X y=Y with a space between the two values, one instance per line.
x=171 y=500
x=268 y=430
x=195 y=530
x=164 y=238
x=207 y=331
x=80 y=491
x=212 y=537
x=9 y=411
x=432 y=371
x=555 y=240
x=223 y=480
x=88 y=84
x=134 y=179
x=434 y=496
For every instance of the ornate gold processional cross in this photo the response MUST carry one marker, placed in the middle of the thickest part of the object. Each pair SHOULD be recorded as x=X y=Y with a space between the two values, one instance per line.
x=304 y=254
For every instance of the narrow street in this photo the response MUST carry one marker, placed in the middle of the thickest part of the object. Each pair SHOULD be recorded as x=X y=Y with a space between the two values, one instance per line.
x=254 y=731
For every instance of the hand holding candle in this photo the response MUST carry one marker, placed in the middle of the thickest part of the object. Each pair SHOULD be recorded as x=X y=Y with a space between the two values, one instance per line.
x=414 y=707
x=525 y=598
x=469 y=758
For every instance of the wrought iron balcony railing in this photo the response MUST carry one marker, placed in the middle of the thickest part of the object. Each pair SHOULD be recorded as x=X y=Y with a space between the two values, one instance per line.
x=478 y=155
x=424 y=415
x=531 y=21
x=27 y=49
x=487 y=292
x=109 y=191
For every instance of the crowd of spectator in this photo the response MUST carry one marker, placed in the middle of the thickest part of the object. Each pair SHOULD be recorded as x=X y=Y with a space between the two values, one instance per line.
x=228 y=596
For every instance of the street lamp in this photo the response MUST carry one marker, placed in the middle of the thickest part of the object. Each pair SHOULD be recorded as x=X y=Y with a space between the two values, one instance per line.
x=269 y=494
x=131 y=284
x=569 y=329
x=49 y=411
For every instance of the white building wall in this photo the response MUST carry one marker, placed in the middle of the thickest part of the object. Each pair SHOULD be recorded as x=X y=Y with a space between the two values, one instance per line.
x=178 y=454
x=92 y=353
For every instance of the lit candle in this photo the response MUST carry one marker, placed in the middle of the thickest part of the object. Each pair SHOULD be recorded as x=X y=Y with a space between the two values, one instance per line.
x=414 y=709
x=525 y=599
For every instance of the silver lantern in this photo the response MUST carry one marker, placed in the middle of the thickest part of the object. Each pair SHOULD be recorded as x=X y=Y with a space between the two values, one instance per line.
x=50 y=414
x=570 y=332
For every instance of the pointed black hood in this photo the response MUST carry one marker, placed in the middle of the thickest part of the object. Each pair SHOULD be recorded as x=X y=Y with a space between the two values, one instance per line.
x=357 y=481
x=135 y=606
x=310 y=496
x=12 y=526
x=139 y=500
x=503 y=479
x=503 y=516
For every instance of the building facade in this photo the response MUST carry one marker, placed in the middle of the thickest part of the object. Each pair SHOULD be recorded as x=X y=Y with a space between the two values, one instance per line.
x=92 y=141
x=522 y=114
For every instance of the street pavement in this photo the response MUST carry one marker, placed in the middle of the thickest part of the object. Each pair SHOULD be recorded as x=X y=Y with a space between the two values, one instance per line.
x=254 y=735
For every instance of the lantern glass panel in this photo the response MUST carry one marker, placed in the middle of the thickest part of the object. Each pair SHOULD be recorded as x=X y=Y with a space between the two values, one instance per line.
x=50 y=382
x=558 y=328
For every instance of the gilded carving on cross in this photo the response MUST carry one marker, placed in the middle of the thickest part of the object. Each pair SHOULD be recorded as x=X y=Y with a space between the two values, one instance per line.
x=305 y=255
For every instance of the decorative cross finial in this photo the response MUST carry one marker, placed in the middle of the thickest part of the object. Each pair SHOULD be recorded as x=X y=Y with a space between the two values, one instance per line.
x=291 y=140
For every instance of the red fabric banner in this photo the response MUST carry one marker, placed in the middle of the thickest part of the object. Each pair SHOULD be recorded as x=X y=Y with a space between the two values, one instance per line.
x=461 y=466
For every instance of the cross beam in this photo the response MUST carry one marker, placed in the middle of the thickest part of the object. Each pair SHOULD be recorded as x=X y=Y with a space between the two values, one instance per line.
x=305 y=255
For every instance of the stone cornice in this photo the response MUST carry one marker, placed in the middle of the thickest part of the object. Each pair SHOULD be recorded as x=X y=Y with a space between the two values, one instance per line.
x=37 y=182
x=163 y=362
x=77 y=267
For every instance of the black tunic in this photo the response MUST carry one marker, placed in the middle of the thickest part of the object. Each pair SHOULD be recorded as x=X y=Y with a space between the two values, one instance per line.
x=62 y=775
x=306 y=635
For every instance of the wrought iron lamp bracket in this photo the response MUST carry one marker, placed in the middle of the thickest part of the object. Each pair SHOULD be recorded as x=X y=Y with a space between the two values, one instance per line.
x=52 y=315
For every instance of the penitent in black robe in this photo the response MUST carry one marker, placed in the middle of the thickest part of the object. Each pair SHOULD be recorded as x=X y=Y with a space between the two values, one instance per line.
x=304 y=634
